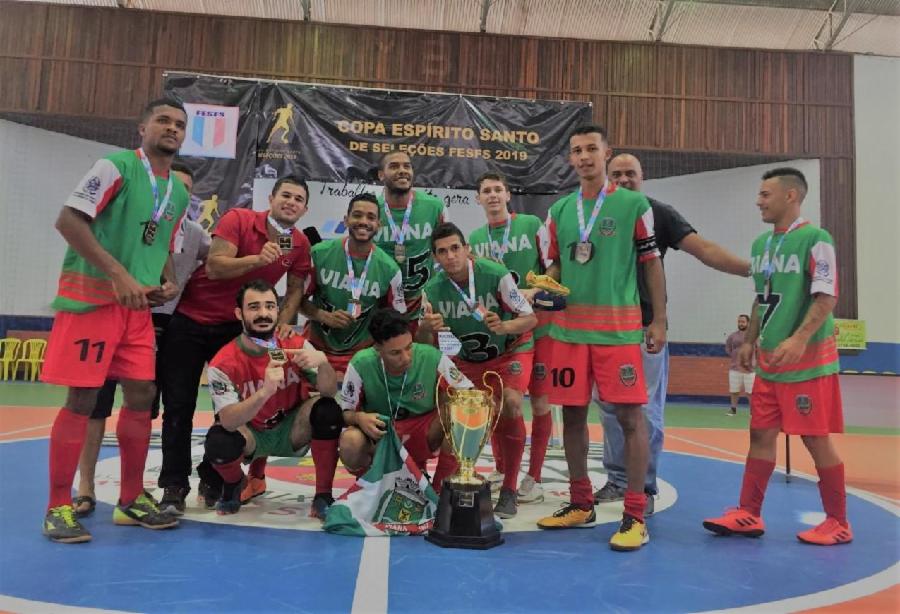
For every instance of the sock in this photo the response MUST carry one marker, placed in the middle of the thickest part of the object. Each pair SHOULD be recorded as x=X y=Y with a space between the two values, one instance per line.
x=634 y=504
x=446 y=466
x=756 y=478
x=541 y=428
x=513 y=447
x=833 y=491
x=581 y=494
x=497 y=447
x=133 y=433
x=325 y=458
x=231 y=472
x=257 y=468
x=66 y=440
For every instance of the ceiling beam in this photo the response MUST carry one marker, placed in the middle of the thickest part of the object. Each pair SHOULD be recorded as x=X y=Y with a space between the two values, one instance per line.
x=485 y=9
x=661 y=19
x=835 y=30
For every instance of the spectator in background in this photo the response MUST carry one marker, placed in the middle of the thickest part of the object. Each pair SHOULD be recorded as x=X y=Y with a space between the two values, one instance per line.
x=738 y=376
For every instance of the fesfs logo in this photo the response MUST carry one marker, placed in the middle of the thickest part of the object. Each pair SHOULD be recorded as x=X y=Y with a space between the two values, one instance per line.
x=211 y=131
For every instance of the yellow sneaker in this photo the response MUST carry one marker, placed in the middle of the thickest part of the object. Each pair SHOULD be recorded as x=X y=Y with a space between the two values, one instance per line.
x=569 y=517
x=631 y=535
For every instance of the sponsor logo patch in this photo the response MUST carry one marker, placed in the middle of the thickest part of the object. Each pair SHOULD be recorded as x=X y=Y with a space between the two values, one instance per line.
x=418 y=392
x=515 y=367
x=540 y=370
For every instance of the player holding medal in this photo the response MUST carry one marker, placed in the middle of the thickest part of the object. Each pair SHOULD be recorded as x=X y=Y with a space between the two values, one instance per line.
x=407 y=219
x=596 y=338
x=477 y=301
x=261 y=388
x=514 y=240
x=350 y=279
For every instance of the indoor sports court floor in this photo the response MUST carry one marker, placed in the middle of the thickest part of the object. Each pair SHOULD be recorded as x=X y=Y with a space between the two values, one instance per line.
x=274 y=558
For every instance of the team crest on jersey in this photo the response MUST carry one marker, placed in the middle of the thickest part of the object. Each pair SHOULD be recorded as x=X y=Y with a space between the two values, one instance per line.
x=169 y=215
x=515 y=367
x=92 y=185
x=803 y=403
x=418 y=392
x=540 y=370
x=607 y=227
x=627 y=375
x=218 y=387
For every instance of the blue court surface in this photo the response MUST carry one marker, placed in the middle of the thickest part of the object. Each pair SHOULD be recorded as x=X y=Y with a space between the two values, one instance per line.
x=282 y=562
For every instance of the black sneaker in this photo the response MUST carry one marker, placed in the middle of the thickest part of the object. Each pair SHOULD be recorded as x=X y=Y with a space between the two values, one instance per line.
x=230 y=501
x=732 y=411
x=650 y=506
x=60 y=526
x=173 y=500
x=143 y=512
x=320 y=504
x=207 y=495
x=609 y=493
x=506 y=503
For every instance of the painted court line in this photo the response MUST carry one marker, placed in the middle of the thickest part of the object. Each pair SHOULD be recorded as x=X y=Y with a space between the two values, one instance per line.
x=26 y=606
x=30 y=428
x=371 y=593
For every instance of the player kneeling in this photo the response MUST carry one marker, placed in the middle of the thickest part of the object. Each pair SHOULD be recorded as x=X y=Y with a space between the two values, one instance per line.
x=396 y=378
x=261 y=390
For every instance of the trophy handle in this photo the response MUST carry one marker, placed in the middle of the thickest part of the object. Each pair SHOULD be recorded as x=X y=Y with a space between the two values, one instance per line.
x=444 y=420
x=498 y=404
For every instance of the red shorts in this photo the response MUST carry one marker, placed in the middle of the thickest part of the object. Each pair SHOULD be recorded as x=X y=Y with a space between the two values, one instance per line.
x=413 y=434
x=540 y=383
x=812 y=407
x=513 y=367
x=572 y=370
x=110 y=342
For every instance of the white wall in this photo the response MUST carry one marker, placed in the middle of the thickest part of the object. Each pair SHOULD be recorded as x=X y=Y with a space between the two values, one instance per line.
x=876 y=92
x=721 y=205
x=38 y=170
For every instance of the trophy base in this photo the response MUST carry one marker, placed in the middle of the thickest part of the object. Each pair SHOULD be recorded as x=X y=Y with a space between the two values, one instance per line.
x=465 y=518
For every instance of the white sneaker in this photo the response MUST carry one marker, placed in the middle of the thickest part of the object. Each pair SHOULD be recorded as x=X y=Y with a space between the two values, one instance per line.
x=495 y=479
x=530 y=491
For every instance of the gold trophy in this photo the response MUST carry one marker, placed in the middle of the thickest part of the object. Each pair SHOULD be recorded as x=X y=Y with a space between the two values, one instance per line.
x=465 y=516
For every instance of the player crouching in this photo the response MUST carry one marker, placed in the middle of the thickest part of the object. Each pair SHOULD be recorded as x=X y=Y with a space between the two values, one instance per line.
x=262 y=393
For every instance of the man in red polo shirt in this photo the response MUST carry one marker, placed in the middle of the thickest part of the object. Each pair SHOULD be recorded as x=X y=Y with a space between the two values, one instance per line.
x=246 y=245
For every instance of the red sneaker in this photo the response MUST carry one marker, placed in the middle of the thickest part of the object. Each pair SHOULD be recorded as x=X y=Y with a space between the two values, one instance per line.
x=829 y=533
x=254 y=488
x=736 y=521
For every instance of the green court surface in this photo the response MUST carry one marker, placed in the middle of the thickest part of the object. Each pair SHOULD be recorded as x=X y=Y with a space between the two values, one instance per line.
x=22 y=394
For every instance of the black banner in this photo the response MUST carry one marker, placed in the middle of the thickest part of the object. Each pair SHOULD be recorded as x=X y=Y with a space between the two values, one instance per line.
x=337 y=134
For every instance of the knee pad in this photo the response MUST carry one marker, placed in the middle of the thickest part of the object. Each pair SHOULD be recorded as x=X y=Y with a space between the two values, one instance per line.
x=223 y=446
x=326 y=419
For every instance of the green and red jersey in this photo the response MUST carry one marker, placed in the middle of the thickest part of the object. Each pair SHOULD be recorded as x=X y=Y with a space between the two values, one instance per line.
x=603 y=307
x=369 y=387
x=329 y=288
x=803 y=265
x=495 y=291
x=521 y=252
x=418 y=264
x=117 y=196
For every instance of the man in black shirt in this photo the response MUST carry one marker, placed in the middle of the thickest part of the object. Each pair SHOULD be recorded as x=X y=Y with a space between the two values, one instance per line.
x=672 y=231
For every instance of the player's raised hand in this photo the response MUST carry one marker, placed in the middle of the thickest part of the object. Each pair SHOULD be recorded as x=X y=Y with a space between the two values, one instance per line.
x=494 y=323
x=371 y=425
x=129 y=293
x=431 y=321
x=269 y=253
x=307 y=358
x=274 y=377
x=745 y=356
